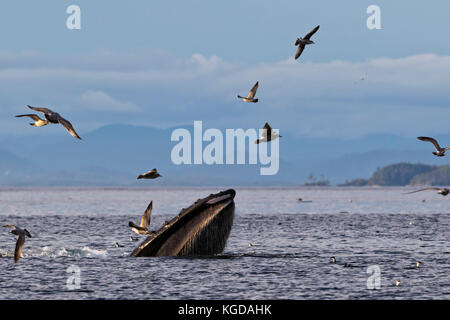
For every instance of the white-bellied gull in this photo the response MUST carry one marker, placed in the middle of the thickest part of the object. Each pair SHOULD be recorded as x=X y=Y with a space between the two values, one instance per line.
x=251 y=94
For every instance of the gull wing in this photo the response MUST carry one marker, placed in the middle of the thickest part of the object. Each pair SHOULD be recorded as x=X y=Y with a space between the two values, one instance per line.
x=33 y=116
x=252 y=92
x=267 y=131
x=150 y=172
x=431 y=188
x=310 y=34
x=44 y=110
x=145 y=220
x=299 y=51
x=433 y=141
x=19 y=244
x=69 y=127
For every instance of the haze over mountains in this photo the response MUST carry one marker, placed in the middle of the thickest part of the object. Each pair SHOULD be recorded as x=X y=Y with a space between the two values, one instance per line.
x=114 y=155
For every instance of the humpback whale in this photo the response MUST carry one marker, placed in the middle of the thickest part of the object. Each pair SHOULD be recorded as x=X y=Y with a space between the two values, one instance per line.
x=199 y=230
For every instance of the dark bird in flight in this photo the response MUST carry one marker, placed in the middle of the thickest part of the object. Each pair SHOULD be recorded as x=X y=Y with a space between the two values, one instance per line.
x=267 y=134
x=152 y=174
x=441 y=191
x=51 y=117
x=145 y=221
x=251 y=95
x=22 y=233
x=440 y=151
x=302 y=42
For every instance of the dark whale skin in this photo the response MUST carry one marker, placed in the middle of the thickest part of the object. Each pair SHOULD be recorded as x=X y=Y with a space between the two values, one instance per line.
x=199 y=230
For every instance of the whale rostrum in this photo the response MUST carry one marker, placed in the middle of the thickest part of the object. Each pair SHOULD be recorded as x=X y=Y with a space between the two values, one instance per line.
x=199 y=230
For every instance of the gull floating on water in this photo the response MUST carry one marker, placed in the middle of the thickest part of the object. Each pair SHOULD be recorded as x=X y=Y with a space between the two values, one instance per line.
x=440 y=151
x=441 y=191
x=267 y=134
x=397 y=282
x=301 y=200
x=152 y=174
x=418 y=263
x=333 y=259
x=251 y=95
x=22 y=233
x=51 y=117
x=302 y=42
x=145 y=221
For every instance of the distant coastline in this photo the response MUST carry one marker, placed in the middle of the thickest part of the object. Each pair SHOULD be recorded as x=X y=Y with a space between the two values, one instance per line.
x=405 y=174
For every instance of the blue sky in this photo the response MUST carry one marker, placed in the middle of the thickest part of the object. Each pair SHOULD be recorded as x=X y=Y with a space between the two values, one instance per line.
x=167 y=63
x=250 y=30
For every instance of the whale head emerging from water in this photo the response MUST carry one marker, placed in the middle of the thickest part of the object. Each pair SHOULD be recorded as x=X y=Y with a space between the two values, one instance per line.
x=199 y=230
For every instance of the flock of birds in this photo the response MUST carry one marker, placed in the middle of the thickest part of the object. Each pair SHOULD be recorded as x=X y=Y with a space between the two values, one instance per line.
x=55 y=118
x=267 y=135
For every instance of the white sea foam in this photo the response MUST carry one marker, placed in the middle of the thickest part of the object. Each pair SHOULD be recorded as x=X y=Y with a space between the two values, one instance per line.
x=73 y=252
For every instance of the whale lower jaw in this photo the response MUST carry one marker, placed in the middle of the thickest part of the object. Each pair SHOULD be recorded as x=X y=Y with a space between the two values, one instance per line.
x=199 y=230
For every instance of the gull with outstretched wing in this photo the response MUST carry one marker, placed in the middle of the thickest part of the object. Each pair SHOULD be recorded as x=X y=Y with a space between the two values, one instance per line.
x=302 y=42
x=50 y=117
x=251 y=94
x=145 y=221
x=441 y=191
x=22 y=233
x=267 y=134
x=440 y=151
x=152 y=174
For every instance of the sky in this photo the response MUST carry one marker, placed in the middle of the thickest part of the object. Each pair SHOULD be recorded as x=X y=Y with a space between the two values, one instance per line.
x=168 y=63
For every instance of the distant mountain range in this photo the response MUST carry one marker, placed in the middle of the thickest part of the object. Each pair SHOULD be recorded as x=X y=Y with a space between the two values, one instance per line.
x=114 y=155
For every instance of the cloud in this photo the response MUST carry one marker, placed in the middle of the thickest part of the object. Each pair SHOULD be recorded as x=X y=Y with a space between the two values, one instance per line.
x=99 y=100
x=401 y=95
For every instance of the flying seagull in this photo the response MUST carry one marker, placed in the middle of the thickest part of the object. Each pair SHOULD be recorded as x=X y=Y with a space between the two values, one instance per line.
x=267 y=134
x=440 y=151
x=38 y=122
x=302 y=42
x=22 y=233
x=251 y=94
x=152 y=174
x=361 y=78
x=441 y=191
x=145 y=221
x=51 y=117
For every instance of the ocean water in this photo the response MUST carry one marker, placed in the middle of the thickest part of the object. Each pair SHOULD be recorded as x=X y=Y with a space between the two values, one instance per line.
x=368 y=229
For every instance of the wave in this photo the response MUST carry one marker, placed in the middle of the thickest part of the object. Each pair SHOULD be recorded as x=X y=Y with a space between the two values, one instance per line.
x=51 y=252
